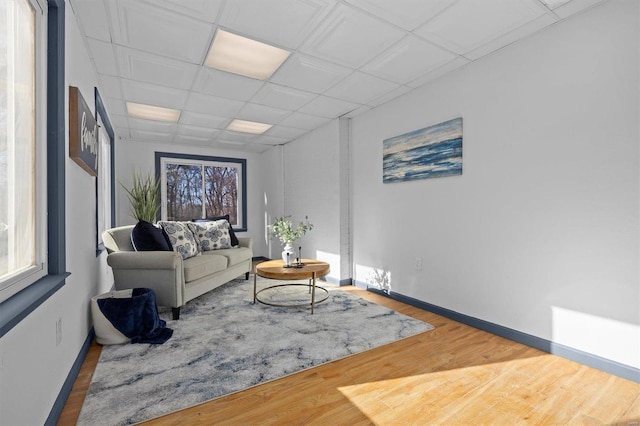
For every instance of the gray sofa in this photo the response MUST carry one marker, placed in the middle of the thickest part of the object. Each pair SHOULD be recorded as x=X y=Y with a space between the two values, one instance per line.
x=174 y=280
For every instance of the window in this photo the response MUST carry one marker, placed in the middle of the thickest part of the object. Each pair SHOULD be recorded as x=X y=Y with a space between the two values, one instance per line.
x=22 y=195
x=104 y=182
x=193 y=187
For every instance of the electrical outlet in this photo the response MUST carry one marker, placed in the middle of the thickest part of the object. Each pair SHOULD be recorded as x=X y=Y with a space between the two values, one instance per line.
x=418 y=263
x=58 y=331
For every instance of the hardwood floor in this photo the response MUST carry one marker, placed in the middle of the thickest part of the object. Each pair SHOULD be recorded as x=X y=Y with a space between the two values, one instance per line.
x=454 y=374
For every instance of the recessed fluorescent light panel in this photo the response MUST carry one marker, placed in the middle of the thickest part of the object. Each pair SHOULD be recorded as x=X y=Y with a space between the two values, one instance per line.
x=240 y=55
x=150 y=112
x=248 y=127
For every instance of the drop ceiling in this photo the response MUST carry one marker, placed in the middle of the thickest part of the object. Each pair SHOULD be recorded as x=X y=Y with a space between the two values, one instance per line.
x=347 y=57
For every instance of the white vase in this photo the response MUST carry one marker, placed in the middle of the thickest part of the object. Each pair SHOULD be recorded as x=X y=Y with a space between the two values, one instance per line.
x=287 y=254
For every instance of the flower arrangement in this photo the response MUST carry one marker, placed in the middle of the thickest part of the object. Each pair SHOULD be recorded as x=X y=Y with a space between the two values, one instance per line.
x=283 y=229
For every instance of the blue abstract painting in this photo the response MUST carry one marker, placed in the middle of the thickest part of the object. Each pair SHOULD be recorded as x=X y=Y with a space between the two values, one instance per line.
x=434 y=151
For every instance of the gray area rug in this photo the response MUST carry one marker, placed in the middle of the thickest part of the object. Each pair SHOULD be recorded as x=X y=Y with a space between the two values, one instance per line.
x=223 y=343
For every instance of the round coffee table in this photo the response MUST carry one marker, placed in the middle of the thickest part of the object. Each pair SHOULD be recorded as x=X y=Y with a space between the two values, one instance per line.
x=274 y=269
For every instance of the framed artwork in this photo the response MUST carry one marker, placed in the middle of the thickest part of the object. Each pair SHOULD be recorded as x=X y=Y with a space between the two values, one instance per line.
x=83 y=133
x=434 y=151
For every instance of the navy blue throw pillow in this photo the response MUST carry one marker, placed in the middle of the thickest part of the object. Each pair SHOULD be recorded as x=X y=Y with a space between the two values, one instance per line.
x=147 y=237
x=234 y=238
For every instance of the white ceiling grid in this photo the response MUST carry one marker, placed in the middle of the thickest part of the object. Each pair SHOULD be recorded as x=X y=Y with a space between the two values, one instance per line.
x=347 y=56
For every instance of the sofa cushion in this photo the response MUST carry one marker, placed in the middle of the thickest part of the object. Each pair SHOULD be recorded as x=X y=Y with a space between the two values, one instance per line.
x=200 y=266
x=181 y=238
x=235 y=255
x=232 y=234
x=212 y=235
x=146 y=236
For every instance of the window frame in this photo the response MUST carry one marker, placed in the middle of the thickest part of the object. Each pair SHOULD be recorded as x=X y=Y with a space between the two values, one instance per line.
x=162 y=157
x=20 y=305
x=23 y=279
x=102 y=118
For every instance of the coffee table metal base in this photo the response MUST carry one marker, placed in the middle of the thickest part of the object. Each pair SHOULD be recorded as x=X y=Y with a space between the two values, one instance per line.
x=294 y=305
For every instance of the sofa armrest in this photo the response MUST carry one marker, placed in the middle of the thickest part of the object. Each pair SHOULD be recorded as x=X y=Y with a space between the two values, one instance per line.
x=161 y=271
x=145 y=260
x=245 y=242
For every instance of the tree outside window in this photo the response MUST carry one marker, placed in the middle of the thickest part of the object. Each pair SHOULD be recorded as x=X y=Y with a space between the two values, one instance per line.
x=198 y=187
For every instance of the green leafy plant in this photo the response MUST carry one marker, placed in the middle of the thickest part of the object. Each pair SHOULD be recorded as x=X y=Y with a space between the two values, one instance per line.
x=283 y=229
x=144 y=198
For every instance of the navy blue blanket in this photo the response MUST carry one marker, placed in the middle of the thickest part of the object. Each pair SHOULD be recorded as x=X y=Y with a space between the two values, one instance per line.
x=137 y=316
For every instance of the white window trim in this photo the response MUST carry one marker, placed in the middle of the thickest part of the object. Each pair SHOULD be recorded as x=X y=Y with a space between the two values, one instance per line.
x=25 y=278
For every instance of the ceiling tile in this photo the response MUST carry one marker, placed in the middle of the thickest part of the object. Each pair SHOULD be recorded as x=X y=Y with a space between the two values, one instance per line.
x=360 y=87
x=206 y=104
x=203 y=120
x=152 y=125
x=408 y=14
x=328 y=107
x=144 y=66
x=304 y=121
x=262 y=114
x=288 y=23
x=361 y=109
x=145 y=27
x=150 y=135
x=92 y=18
x=401 y=90
x=529 y=28
x=152 y=94
x=285 y=132
x=309 y=74
x=191 y=140
x=569 y=8
x=227 y=135
x=439 y=72
x=351 y=38
x=408 y=59
x=115 y=106
x=272 y=140
x=229 y=144
x=282 y=97
x=227 y=85
x=255 y=148
x=103 y=56
x=468 y=24
x=200 y=132
x=206 y=10
x=110 y=86
x=119 y=120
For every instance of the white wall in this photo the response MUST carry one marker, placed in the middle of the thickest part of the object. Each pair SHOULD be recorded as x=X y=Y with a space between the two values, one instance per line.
x=312 y=188
x=540 y=233
x=273 y=196
x=139 y=157
x=33 y=367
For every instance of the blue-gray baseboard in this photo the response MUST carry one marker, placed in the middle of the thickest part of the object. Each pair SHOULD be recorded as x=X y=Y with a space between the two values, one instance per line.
x=607 y=365
x=56 y=410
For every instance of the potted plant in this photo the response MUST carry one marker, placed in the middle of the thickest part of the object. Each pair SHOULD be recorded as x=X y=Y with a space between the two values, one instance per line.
x=283 y=229
x=144 y=198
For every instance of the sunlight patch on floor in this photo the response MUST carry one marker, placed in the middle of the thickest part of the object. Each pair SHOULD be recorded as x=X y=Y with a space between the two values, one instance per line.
x=507 y=392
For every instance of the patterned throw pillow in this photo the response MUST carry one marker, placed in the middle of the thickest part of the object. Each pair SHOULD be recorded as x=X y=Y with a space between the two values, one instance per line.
x=234 y=238
x=212 y=235
x=181 y=238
